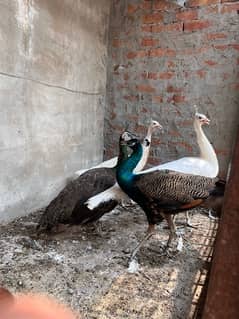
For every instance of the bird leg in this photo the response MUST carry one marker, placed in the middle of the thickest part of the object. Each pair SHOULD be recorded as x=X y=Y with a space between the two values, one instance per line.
x=172 y=228
x=173 y=219
x=172 y=231
x=98 y=227
x=188 y=219
x=149 y=233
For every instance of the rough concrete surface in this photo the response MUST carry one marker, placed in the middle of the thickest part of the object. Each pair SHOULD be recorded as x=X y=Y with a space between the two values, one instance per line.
x=88 y=271
x=52 y=92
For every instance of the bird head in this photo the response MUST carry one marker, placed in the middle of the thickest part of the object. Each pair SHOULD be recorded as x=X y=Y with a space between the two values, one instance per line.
x=127 y=136
x=155 y=124
x=133 y=143
x=201 y=118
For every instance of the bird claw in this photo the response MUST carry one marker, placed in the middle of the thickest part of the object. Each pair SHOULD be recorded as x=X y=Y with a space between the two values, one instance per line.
x=98 y=228
x=180 y=232
x=181 y=225
x=211 y=216
x=177 y=245
x=127 y=204
x=195 y=226
x=166 y=252
x=156 y=236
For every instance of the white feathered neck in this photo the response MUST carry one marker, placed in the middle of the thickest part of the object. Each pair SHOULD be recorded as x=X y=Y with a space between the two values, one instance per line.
x=206 y=150
x=146 y=148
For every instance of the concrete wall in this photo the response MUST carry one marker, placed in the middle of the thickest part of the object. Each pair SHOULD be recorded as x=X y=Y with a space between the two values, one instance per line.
x=52 y=91
x=163 y=59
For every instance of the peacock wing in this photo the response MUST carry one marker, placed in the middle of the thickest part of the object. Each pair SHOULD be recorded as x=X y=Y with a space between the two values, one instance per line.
x=98 y=181
x=75 y=193
x=173 y=186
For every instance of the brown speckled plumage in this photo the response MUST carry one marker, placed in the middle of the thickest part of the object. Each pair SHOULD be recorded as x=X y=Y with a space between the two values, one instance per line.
x=174 y=186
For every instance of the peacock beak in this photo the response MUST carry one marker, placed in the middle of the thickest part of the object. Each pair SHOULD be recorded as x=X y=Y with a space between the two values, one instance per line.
x=155 y=124
x=159 y=126
x=205 y=121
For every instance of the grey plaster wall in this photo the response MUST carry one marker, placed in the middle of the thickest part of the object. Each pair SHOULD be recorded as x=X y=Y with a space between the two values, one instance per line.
x=52 y=92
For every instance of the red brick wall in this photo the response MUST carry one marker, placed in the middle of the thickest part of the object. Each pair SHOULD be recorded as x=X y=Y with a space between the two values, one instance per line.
x=163 y=59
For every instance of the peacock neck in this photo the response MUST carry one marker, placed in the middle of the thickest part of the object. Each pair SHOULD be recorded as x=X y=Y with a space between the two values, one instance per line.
x=148 y=137
x=123 y=155
x=206 y=150
x=145 y=151
x=126 y=167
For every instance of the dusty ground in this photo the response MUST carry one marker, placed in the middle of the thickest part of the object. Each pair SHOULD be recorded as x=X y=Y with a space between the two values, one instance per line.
x=88 y=271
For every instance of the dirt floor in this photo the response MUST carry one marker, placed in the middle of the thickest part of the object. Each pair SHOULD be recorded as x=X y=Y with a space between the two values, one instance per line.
x=88 y=270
